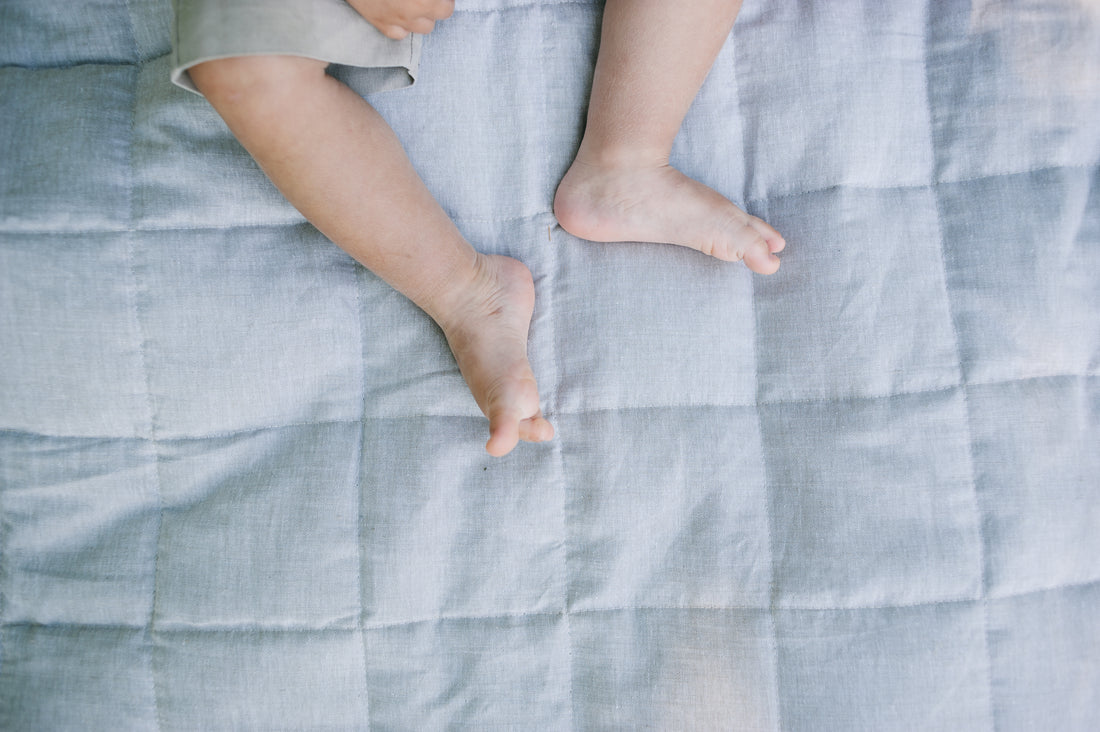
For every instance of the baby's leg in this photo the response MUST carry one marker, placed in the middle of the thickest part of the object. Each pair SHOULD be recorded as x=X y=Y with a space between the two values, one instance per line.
x=340 y=164
x=654 y=56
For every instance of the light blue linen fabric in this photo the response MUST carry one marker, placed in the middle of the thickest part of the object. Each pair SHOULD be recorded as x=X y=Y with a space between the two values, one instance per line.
x=242 y=483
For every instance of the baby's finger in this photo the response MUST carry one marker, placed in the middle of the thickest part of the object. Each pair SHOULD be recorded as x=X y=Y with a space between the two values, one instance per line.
x=536 y=429
x=442 y=9
x=503 y=431
x=423 y=26
x=395 y=32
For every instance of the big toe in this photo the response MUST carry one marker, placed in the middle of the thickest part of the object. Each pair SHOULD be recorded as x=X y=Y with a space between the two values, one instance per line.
x=514 y=415
x=503 y=432
x=536 y=429
x=760 y=259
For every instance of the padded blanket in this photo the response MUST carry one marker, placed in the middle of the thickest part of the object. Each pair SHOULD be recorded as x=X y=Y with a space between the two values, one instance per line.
x=242 y=483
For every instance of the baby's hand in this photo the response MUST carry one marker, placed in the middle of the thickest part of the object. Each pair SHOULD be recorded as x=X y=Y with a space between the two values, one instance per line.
x=398 y=18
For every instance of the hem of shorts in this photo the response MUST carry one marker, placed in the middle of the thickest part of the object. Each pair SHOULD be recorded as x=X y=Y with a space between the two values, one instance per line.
x=181 y=78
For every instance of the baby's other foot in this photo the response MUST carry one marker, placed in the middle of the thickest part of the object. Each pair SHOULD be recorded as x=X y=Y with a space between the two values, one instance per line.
x=487 y=331
x=657 y=203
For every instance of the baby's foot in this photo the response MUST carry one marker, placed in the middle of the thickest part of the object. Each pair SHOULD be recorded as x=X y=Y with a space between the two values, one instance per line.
x=657 y=203
x=487 y=331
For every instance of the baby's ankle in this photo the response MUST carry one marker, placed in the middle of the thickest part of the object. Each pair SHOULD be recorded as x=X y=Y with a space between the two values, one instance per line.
x=448 y=302
x=620 y=156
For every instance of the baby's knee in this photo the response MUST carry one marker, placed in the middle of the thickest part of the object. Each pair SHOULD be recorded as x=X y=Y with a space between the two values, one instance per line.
x=235 y=78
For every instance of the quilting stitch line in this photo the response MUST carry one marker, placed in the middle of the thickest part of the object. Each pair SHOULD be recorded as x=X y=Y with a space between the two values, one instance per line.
x=951 y=312
x=181 y=628
x=361 y=492
x=773 y=633
x=142 y=348
x=563 y=484
x=30 y=231
x=184 y=437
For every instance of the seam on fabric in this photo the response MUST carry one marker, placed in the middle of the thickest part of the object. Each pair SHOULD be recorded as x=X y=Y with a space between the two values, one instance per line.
x=1088 y=167
x=461 y=618
x=254 y=629
x=548 y=284
x=780 y=607
x=192 y=437
x=567 y=611
x=567 y=583
x=79 y=626
x=839 y=399
x=983 y=570
x=460 y=218
x=769 y=486
x=572 y=413
x=871 y=397
x=1042 y=168
x=175 y=31
x=960 y=601
x=62 y=65
x=360 y=509
x=4 y=576
x=179 y=628
x=769 y=530
x=142 y=347
x=747 y=182
x=157 y=482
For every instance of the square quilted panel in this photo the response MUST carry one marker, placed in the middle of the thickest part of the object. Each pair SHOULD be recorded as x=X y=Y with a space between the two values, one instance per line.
x=409 y=368
x=264 y=333
x=850 y=132
x=1036 y=461
x=189 y=170
x=292 y=680
x=692 y=533
x=471 y=673
x=152 y=23
x=70 y=344
x=1043 y=649
x=34 y=33
x=79 y=533
x=872 y=502
x=859 y=307
x=260 y=530
x=674 y=669
x=885 y=668
x=498 y=170
x=1013 y=86
x=66 y=678
x=66 y=167
x=1022 y=268
x=466 y=534
x=619 y=347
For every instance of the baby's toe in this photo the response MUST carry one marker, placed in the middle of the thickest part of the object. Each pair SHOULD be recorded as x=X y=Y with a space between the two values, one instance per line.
x=759 y=256
x=536 y=429
x=503 y=436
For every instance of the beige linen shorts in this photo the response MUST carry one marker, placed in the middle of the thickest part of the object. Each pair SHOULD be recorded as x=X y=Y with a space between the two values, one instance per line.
x=326 y=30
